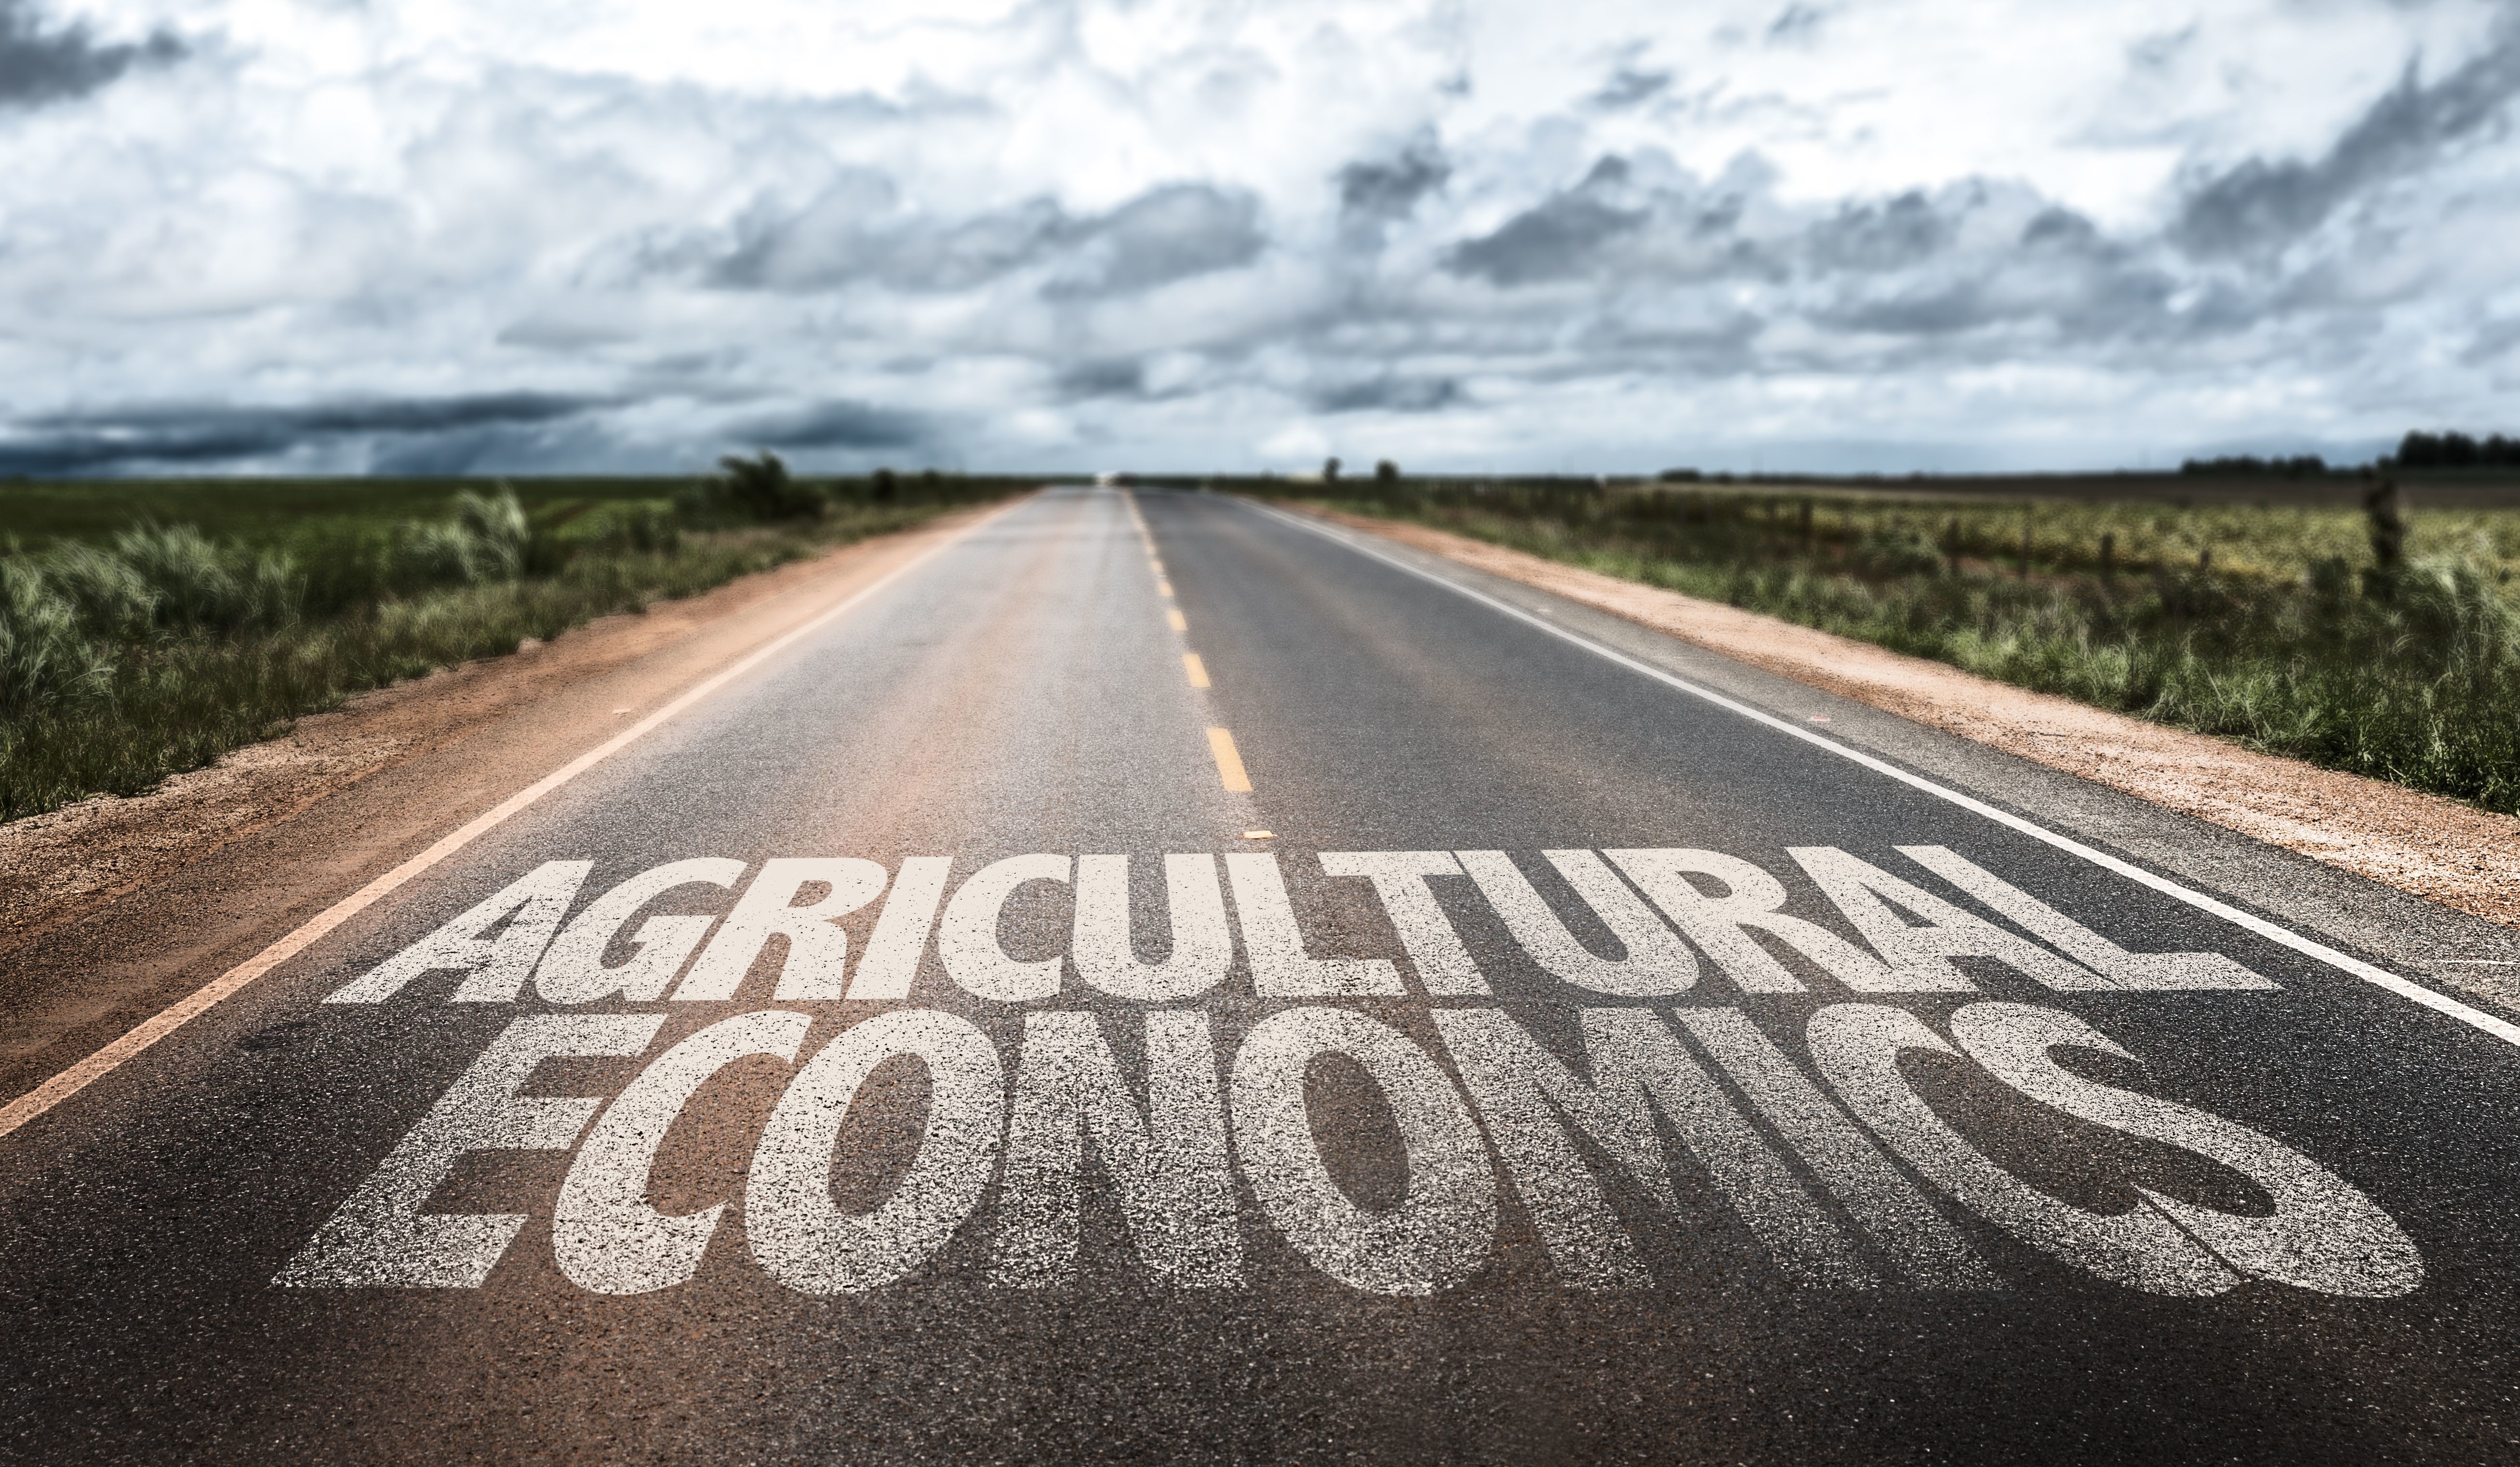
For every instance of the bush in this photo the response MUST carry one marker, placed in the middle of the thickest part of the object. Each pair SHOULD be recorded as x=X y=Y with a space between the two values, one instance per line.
x=755 y=490
x=497 y=528
x=199 y=586
x=112 y=600
x=429 y=555
x=44 y=658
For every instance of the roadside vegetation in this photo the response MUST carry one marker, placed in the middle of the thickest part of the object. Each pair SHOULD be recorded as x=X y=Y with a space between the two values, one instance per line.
x=2383 y=640
x=138 y=642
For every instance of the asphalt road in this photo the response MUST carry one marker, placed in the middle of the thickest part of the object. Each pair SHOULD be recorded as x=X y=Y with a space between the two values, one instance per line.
x=1292 y=1006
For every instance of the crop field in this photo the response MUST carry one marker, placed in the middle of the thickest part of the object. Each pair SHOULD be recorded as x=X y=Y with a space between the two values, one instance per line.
x=2384 y=642
x=146 y=629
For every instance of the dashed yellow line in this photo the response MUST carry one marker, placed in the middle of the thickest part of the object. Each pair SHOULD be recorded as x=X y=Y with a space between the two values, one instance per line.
x=1229 y=761
x=1220 y=743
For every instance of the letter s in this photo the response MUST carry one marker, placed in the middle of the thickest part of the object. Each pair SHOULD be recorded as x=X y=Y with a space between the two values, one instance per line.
x=2325 y=1235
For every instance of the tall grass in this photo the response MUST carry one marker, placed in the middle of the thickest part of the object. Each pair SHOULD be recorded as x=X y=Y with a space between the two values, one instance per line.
x=157 y=652
x=2273 y=627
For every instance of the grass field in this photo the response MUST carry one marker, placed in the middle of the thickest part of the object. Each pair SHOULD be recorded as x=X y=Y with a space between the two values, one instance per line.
x=2292 y=628
x=146 y=629
x=279 y=512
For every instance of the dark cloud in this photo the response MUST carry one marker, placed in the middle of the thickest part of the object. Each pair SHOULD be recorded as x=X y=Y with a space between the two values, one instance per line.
x=209 y=434
x=1121 y=377
x=853 y=235
x=2059 y=228
x=1933 y=312
x=1890 y=236
x=1386 y=189
x=1391 y=395
x=849 y=237
x=2260 y=204
x=1555 y=240
x=1168 y=234
x=1629 y=86
x=838 y=423
x=39 y=65
x=1796 y=24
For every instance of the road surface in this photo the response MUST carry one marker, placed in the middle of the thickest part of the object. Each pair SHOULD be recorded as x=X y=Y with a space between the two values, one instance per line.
x=1156 y=980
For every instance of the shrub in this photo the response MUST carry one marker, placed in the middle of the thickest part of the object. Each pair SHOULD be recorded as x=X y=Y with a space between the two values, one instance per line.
x=44 y=658
x=199 y=586
x=754 y=491
x=112 y=600
x=431 y=554
x=496 y=525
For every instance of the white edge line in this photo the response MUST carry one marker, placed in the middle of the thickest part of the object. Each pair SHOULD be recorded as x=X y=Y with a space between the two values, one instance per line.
x=2406 y=988
x=175 y=1015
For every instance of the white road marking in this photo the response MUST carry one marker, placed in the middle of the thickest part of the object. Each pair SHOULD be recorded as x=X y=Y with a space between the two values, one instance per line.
x=605 y=1236
x=1105 y=956
x=1166 y=1164
x=381 y=1237
x=2378 y=976
x=1280 y=968
x=175 y=1015
x=1532 y=1106
x=1446 y=1221
x=804 y=1238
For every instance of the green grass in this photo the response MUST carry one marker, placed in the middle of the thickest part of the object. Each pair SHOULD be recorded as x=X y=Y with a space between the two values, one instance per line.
x=286 y=511
x=136 y=644
x=2267 y=624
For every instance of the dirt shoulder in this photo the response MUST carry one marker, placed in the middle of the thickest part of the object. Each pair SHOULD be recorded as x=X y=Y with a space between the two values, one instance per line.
x=57 y=866
x=2451 y=854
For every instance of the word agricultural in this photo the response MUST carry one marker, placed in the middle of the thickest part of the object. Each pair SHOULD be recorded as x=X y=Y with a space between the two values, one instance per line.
x=1627 y=1090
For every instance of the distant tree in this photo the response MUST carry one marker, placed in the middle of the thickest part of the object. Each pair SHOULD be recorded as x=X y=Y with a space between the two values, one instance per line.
x=885 y=487
x=1329 y=470
x=1387 y=471
x=2250 y=466
x=2457 y=450
x=1678 y=475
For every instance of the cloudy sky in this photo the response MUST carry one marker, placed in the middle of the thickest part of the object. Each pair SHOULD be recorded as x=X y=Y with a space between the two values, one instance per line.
x=432 y=236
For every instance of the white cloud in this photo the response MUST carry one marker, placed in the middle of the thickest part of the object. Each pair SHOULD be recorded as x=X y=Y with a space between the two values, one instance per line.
x=1074 y=234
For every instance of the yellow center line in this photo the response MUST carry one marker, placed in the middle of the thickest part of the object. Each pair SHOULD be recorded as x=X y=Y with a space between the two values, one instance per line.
x=1179 y=624
x=1166 y=587
x=1229 y=761
x=1196 y=669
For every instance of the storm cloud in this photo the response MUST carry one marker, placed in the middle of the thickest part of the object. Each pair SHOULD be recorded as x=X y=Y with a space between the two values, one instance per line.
x=182 y=434
x=293 y=235
x=2259 y=203
x=41 y=63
